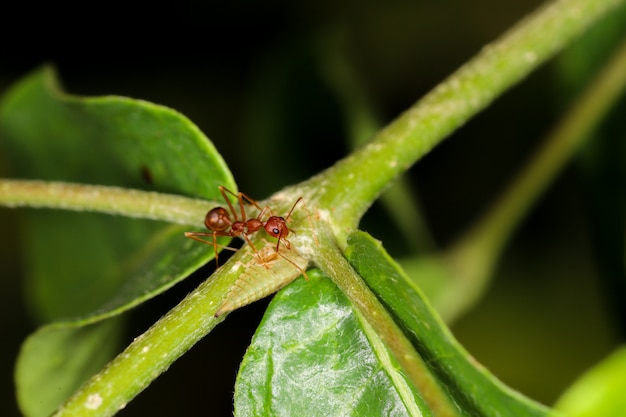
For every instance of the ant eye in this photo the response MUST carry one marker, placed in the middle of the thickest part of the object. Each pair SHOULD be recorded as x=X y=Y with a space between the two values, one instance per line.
x=276 y=230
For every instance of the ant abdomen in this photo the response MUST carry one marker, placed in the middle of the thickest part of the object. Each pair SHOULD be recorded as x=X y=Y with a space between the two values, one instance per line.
x=217 y=219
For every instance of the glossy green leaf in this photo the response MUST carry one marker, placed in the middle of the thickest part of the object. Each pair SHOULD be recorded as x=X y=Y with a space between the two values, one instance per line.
x=84 y=267
x=312 y=356
x=472 y=388
x=600 y=392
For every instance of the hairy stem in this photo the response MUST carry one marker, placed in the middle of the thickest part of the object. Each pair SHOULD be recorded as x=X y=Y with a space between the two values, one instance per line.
x=104 y=199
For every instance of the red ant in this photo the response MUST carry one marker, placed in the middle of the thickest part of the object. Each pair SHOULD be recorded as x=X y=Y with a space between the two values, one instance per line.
x=218 y=220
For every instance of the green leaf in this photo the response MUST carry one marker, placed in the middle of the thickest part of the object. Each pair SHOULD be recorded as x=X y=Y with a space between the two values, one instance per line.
x=312 y=356
x=475 y=391
x=84 y=267
x=600 y=392
x=45 y=378
x=80 y=263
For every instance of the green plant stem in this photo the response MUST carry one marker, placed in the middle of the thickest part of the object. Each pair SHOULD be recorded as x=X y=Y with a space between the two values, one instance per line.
x=369 y=170
x=330 y=259
x=104 y=199
x=362 y=123
x=147 y=357
x=152 y=353
x=474 y=256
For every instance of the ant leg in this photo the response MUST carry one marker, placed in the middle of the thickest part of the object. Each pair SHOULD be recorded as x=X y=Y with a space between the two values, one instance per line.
x=302 y=271
x=240 y=197
x=262 y=213
x=257 y=254
x=285 y=242
x=294 y=264
x=223 y=190
x=250 y=200
x=195 y=236
x=275 y=255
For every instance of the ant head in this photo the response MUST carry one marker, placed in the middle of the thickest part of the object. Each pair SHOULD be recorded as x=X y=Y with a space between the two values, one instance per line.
x=217 y=219
x=276 y=227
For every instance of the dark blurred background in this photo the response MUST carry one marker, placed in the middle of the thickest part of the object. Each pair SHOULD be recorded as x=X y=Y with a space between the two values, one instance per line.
x=254 y=77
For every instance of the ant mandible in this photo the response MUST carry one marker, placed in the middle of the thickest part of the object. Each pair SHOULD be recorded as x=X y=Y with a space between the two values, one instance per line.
x=219 y=222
